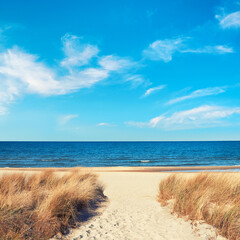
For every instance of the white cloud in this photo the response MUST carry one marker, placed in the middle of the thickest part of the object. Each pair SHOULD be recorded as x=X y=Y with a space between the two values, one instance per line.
x=65 y=119
x=103 y=124
x=231 y=20
x=3 y=110
x=22 y=73
x=115 y=63
x=135 y=79
x=83 y=79
x=199 y=93
x=223 y=49
x=163 y=50
x=153 y=89
x=203 y=116
x=77 y=54
x=219 y=49
x=19 y=70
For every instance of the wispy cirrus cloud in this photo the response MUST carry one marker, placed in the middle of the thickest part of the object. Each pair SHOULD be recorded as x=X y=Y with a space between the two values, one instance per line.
x=3 y=110
x=199 y=93
x=199 y=117
x=23 y=73
x=115 y=63
x=153 y=89
x=66 y=118
x=135 y=79
x=163 y=50
x=77 y=54
x=104 y=124
x=231 y=20
x=219 y=49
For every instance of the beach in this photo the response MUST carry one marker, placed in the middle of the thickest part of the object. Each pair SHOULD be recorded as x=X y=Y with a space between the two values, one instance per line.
x=132 y=210
x=119 y=120
x=134 y=213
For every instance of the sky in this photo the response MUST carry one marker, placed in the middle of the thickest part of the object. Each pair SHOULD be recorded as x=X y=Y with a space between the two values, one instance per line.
x=119 y=70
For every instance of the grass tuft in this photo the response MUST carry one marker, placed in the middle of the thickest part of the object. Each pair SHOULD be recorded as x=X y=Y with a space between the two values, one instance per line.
x=40 y=205
x=212 y=197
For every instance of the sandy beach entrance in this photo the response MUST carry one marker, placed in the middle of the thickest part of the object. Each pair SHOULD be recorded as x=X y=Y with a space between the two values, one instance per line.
x=134 y=214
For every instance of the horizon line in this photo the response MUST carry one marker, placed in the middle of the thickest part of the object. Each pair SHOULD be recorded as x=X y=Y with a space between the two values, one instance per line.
x=119 y=141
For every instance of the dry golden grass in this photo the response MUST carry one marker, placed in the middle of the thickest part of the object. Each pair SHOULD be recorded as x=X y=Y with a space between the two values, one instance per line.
x=40 y=205
x=213 y=197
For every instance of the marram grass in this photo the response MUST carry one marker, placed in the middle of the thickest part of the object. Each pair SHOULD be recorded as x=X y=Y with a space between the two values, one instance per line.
x=40 y=205
x=212 y=197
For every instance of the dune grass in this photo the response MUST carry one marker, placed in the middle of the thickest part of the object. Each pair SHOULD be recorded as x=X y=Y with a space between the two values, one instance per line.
x=212 y=197
x=40 y=205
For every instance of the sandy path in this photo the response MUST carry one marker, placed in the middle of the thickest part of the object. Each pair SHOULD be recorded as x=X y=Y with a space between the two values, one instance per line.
x=134 y=214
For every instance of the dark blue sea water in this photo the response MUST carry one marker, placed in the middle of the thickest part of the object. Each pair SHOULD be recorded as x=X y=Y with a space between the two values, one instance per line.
x=69 y=154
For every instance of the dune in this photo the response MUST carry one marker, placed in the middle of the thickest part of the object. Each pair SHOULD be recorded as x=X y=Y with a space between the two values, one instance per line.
x=41 y=205
x=212 y=197
x=133 y=212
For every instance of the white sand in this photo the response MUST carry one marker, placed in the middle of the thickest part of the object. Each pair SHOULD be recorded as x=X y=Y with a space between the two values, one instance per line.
x=134 y=214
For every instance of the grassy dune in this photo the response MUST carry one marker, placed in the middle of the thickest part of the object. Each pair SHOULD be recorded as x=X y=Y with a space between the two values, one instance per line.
x=40 y=205
x=213 y=197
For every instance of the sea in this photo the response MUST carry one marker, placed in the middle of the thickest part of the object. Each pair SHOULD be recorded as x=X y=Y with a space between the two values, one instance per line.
x=99 y=154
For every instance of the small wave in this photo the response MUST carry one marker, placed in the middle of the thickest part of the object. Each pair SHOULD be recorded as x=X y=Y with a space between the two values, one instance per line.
x=46 y=160
x=144 y=161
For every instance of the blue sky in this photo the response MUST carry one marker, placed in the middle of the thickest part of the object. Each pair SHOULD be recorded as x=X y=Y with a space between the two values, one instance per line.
x=125 y=70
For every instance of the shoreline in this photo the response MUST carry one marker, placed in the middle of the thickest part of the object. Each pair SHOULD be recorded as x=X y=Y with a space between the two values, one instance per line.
x=128 y=169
